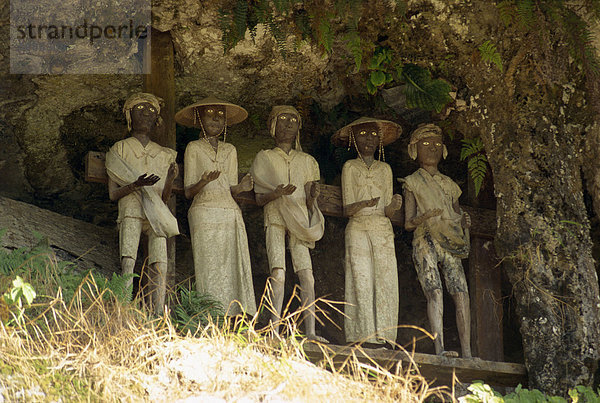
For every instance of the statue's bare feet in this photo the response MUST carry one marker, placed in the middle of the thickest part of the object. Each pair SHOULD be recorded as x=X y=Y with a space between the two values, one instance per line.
x=449 y=354
x=317 y=338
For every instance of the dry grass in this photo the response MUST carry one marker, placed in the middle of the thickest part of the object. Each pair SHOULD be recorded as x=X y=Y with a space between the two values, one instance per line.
x=93 y=350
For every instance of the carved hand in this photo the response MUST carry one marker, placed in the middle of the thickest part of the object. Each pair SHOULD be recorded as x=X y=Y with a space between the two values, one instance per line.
x=396 y=202
x=146 y=180
x=285 y=190
x=372 y=202
x=210 y=176
x=425 y=216
x=246 y=184
x=466 y=220
x=172 y=172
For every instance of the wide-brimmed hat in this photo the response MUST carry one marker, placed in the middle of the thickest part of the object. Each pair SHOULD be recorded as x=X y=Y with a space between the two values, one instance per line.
x=390 y=131
x=234 y=113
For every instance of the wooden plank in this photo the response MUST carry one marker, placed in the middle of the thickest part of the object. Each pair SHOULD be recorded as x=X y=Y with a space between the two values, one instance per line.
x=330 y=200
x=486 y=300
x=434 y=368
x=94 y=246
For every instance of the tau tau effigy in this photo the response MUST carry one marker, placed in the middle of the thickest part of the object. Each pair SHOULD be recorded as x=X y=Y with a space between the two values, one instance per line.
x=441 y=236
x=141 y=175
x=219 y=241
x=368 y=199
x=287 y=185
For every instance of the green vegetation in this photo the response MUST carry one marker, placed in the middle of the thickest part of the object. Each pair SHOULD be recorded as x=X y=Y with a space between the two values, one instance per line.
x=481 y=392
x=97 y=345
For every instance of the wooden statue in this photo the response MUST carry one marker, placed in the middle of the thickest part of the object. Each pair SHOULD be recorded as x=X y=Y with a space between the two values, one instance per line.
x=368 y=199
x=219 y=241
x=141 y=175
x=286 y=184
x=441 y=236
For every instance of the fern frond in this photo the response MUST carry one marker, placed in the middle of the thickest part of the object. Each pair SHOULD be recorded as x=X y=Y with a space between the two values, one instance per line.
x=422 y=91
x=325 y=39
x=489 y=54
x=507 y=10
x=473 y=150
x=526 y=13
x=354 y=45
x=477 y=167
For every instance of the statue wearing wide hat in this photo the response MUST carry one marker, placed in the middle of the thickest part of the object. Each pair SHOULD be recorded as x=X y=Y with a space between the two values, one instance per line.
x=218 y=233
x=370 y=264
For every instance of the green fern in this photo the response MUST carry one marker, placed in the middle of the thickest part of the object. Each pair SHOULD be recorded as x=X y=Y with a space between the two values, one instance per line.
x=354 y=44
x=117 y=285
x=422 y=91
x=507 y=10
x=526 y=13
x=474 y=152
x=489 y=54
x=325 y=39
x=196 y=310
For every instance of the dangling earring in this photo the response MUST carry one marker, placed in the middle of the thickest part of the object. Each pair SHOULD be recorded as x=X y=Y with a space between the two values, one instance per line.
x=199 y=120
x=381 y=152
x=349 y=138
x=353 y=139
x=225 y=128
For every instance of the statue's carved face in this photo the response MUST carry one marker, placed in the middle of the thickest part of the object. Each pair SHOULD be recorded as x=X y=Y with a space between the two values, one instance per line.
x=367 y=138
x=213 y=119
x=430 y=150
x=143 y=116
x=286 y=128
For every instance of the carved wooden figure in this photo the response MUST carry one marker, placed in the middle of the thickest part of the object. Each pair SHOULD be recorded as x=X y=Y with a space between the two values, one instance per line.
x=219 y=241
x=369 y=202
x=141 y=175
x=287 y=185
x=441 y=236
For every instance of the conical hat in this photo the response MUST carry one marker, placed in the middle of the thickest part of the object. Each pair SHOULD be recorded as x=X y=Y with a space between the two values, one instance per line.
x=390 y=131
x=234 y=113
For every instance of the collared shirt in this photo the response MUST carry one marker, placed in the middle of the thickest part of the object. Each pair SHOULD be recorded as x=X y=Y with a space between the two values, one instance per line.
x=152 y=159
x=200 y=157
x=296 y=168
x=359 y=183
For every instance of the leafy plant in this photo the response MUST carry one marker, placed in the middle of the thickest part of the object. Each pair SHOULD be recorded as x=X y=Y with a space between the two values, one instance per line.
x=120 y=286
x=196 y=310
x=421 y=90
x=379 y=67
x=576 y=30
x=474 y=152
x=481 y=392
x=489 y=54
x=13 y=298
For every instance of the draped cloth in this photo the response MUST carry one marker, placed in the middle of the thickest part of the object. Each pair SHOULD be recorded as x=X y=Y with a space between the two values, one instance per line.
x=162 y=221
x=439 y=191
x=306 y=226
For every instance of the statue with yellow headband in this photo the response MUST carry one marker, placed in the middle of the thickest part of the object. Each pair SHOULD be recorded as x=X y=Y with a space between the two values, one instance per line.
x=287 y=185
x=372 y=293
x=219 y=240
x=141 y=175
x=441 y=237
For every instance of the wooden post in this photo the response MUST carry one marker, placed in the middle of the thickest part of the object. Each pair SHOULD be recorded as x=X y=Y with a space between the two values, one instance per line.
x=485 y=283
x=159 y=60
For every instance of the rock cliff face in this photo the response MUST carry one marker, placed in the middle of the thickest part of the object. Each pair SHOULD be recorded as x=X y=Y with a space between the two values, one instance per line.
x=533 y=117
